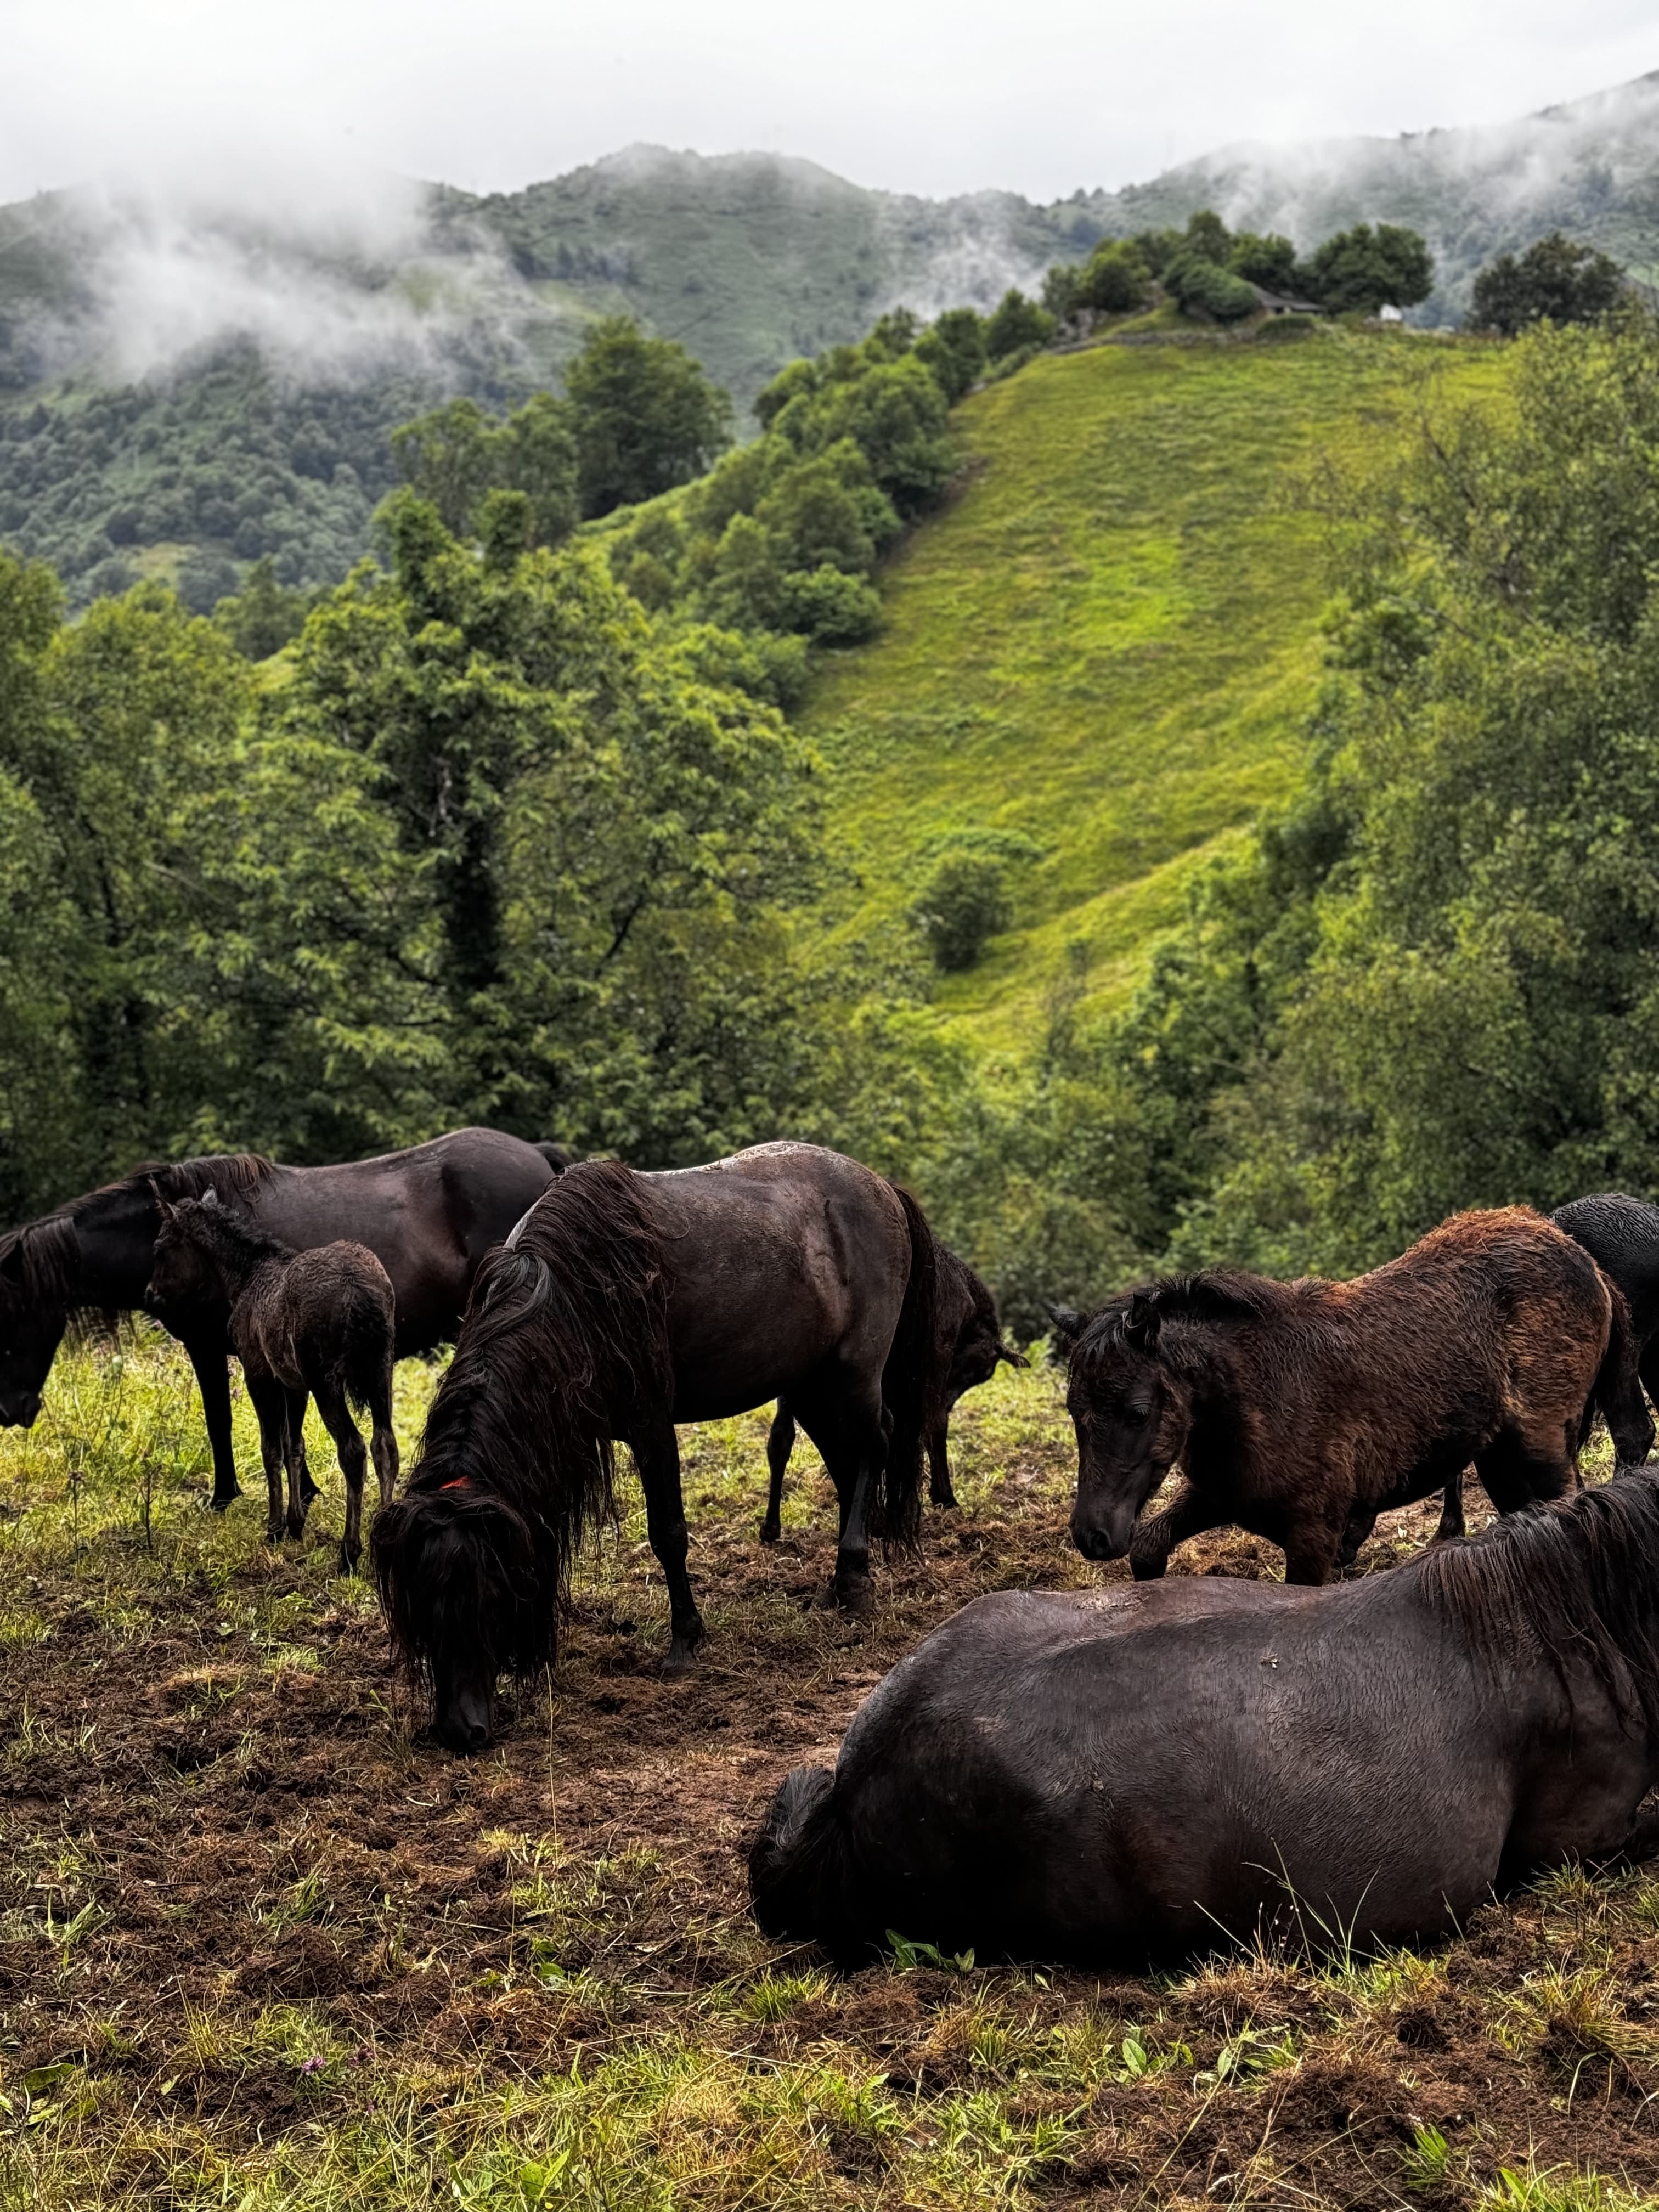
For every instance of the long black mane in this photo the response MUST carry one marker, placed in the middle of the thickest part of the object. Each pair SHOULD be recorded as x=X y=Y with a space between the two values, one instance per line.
x=1578 y=1578
x=40 y=1261
x=1135 y=1318
x=566 y=1332
x=232 y=1241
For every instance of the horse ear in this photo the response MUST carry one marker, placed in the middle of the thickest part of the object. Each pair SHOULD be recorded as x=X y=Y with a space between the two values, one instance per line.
x=1069 y=1323
x=1141 y=1323
x=210 y=1196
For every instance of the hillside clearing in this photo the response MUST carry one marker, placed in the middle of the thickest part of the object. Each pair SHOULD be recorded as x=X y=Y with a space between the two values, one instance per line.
x=261 y=1946
x=1109 y=644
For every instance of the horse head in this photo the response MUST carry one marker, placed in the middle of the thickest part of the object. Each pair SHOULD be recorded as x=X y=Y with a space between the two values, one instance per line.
x=180 y=1271
x=1131 y=1414
x=33 y=1315
x=457 y=1575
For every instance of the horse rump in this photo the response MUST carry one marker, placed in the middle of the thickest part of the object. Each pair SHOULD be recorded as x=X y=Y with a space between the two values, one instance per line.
x=1617 y=1389
x=799 y=1867
x=913 y=1382
x=365 y=1342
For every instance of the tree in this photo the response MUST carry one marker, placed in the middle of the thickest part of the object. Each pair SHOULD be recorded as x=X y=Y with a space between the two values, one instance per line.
x=953 y=348
x=1205 y=288
x=646 y=417
x=260 y=619
x=966 y=901
x=1116 y=281
x=1556 y=280
x=1269 y=261
x=1016 y=323
x=1207 y=237
x=456 y=456
x=1360 y=271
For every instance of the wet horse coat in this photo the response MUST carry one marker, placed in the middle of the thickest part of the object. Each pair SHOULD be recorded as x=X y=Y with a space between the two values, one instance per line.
x=428 y=1213
x=622 y=1305
x=1141 y=1772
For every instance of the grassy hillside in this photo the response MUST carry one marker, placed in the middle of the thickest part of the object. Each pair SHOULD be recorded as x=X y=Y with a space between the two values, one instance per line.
x=1108 y=645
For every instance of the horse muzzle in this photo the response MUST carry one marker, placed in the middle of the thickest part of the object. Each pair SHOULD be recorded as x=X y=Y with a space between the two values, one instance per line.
x=19 y=1409
x=1103 y=1536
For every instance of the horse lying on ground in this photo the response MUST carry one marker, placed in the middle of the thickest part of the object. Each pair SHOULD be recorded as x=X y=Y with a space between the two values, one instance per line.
x=1144 y=1771
x=321 y=1322
x=429 y=1213
x=1301 y=1411
x=968 y=1340
x=621 y=1304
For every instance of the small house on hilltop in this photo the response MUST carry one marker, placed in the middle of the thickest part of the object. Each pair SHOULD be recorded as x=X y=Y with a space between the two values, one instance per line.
x=1285 y=303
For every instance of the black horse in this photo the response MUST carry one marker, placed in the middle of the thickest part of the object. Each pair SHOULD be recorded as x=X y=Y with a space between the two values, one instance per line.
x=968 y=1340
x=429 y=1214
x=1621 y=1234
x=1144 y=1771
x=621 y=1304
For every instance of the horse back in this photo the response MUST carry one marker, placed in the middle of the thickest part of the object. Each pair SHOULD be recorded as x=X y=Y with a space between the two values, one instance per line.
x=783 y=1262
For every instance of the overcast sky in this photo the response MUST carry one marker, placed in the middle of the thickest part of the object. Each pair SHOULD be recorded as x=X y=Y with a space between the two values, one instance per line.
x=914 y=94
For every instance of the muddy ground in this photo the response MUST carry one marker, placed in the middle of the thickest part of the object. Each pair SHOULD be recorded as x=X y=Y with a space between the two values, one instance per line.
x=249 y=1907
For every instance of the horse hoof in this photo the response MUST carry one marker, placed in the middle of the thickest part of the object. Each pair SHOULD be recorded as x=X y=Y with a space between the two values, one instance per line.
x=295 y=1525
x=945 y=1505
x=853 y=1596
x=769 y=1532
x=274 y=1532
x=222 y=1500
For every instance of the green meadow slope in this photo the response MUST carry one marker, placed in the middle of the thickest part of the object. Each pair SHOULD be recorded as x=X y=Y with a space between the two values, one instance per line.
x=1109 y=644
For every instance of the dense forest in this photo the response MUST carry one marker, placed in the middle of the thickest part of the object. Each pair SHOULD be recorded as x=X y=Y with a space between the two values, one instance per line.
x=512 y=827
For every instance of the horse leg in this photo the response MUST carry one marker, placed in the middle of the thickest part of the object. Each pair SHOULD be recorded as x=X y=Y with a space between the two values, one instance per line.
x=1361 y=1523
x=297 y=1402
x=940 y=1491
x=383 y=1442
x=211 y=1363
x=1310 y=1555
x=1516 y=1469
x=270 y=1404
x=656 y=1451
x=354 y=1460
x=850 y=1429
x=1452 y=1524
x=779 y=1443
x=1188 y=1513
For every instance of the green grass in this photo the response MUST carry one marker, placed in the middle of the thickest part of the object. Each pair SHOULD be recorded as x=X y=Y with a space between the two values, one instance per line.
x=263 y=1946
x=1109 y=643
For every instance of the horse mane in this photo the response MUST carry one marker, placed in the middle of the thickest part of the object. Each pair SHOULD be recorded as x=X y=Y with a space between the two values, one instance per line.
x=564 y=1334
x=1578 y=1576
x=47 y=1251
x=1134 y=1318
x=232 y=1239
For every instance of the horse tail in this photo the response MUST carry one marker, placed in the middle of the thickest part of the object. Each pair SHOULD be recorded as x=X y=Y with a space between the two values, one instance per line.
x=1617 y=1389
x=912 y=1381
x=800 y=1869
x=363 y=1362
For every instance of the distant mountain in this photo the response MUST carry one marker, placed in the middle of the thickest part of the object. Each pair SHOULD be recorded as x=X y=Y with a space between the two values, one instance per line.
x=186 y=387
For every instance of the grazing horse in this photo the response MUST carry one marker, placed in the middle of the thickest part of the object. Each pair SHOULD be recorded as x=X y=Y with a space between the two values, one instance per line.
x=1133 y=1774
x=969 y=1342
x=621 y=1304
x=1301 y=1411
x=321 y=1322
x=429 y=1214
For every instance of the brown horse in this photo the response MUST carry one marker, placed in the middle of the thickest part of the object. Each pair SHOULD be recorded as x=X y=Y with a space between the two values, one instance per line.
x=1301 y=1411
x=621 y=1304
x=1142 y=1771
x=320 y=1322
x=968 y=1342
x=428 y=1213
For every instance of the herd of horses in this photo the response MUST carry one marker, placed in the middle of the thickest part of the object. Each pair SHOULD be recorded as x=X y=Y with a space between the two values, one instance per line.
x=1109 y=1777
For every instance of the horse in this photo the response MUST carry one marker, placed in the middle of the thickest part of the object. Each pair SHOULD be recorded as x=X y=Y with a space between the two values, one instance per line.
x=1301 y=1411
x=969 y=1340
x=1125 y=1777
x=321 y=1322
x=429 y=1213
x=1621 y=1234
x=622 y=1303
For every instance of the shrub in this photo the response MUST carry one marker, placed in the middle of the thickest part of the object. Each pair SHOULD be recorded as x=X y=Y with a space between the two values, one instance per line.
x=1205 y=288
x=966 y=902
x=1117 y=281
x=829 y=606
x=1017 y=322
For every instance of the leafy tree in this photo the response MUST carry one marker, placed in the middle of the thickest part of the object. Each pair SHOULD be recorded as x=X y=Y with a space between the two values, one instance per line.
x=1116 y=279
x=1207 y=238
x=1360 y=271
x=1061 y=288
x=456 y=456
x=829 y=606
x=965 y=902
x=646 y=416
x=1556 y=280
x=1269 y=260
x=1016 y=322
x=1157 y=248
x=448 y=458
x=952 y=348
x=1205 y=288
x=261 y=618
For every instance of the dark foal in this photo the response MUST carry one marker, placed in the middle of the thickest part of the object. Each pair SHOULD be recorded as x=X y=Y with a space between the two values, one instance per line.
x=1139 y=1772
x=968 y=1343
x=321 y=1321
x=1301 y=1411
x=623 y=1305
